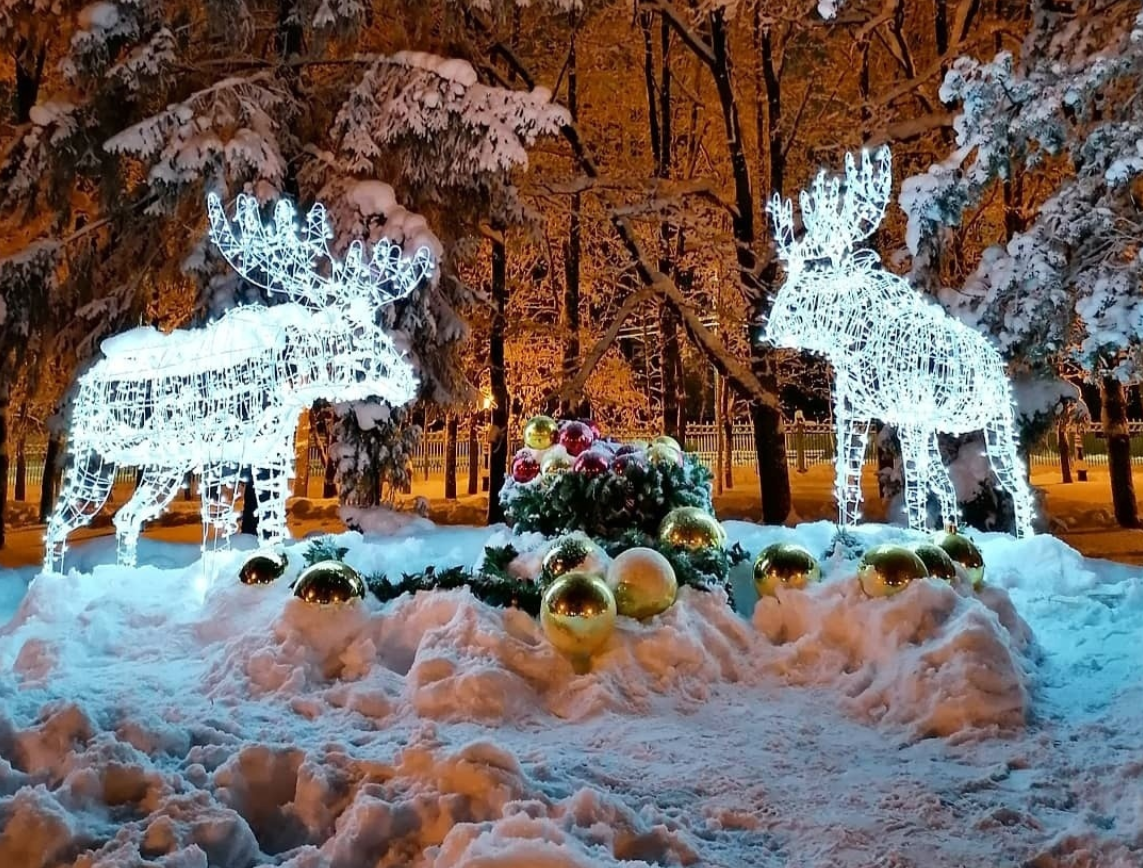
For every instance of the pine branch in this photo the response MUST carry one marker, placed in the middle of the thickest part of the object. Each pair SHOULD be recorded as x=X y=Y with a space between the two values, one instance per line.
x=499 y=591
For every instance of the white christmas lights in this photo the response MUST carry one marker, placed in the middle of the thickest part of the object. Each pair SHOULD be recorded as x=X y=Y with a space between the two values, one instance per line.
x=897 y=357
x=217 y=400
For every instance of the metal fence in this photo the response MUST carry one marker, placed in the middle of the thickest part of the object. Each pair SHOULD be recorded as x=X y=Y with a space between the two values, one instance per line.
x=806 y=445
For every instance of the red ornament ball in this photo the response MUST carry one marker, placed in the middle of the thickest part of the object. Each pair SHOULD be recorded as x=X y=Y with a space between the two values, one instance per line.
x=628 y=462
x=576 y=437
x=525 y=467
x=590 y=463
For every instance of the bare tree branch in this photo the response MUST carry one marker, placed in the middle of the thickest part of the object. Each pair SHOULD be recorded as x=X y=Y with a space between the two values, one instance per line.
x=678 y=23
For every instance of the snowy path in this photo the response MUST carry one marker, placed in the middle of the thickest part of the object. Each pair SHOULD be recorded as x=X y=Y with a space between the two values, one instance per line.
x=145 y=717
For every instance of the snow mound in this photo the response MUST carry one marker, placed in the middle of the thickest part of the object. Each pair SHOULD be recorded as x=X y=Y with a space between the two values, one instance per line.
x=174 y=717
x=930 y=658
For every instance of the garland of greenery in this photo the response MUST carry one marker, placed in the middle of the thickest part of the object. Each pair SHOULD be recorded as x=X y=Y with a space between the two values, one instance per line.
x=323 y=549
x=704 y=570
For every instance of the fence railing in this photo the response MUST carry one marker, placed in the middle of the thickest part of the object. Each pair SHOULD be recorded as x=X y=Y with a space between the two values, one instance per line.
x=807 y=444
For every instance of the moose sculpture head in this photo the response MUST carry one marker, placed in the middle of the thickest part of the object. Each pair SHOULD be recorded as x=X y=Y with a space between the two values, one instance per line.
x=897 y=356
x=225 y=398
x=830 y=282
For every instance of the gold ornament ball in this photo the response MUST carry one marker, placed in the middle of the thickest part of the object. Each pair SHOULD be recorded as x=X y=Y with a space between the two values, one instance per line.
x=577 y=613
x=556 y=460
x=784 y=565
x=572 y=552
x=643 y=582
x=540 y=432
x=888 y=569
x=936 y=561
x=665 y=440
x=691 y=528
x=329 y=582
x=664 y=453
x=263 y=567
x=963 y=551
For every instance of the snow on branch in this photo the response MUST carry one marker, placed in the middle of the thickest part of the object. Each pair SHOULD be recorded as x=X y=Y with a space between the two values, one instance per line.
x=26 y=279
x=1064 y=288
x=463 y=132
x=226 y=130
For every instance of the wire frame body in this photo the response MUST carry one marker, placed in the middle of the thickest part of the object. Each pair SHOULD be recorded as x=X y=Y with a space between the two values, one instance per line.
x=224 y=399
x=897 y=357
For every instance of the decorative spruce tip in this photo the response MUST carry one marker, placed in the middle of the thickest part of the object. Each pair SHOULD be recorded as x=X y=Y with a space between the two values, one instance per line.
x=224 y=399
x=897 y=356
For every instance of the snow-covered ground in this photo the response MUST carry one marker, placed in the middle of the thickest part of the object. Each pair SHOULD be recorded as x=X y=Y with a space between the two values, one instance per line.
x=170 y=716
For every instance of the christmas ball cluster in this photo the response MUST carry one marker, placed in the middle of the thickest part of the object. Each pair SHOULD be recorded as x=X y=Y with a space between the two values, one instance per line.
x=884 y=570
x=583 y=592
x=325 y=583
x=576 y=446
x=583 y=596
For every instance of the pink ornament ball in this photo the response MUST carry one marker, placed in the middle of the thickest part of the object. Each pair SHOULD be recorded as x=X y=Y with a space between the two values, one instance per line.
x=525 y=467
x=590 y=463
x=576 y=438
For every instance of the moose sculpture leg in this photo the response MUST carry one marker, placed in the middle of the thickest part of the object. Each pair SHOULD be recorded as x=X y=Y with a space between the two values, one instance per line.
x=218 y=489
x=1000 y=441
x=941 y=484
x=86 y=487
x=273 y=490
x=849 y=460
x=153 y=494
x=915 y=468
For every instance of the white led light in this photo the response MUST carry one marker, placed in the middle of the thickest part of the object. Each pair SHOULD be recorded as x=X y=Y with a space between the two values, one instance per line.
x=897 y=356
x=217 y=400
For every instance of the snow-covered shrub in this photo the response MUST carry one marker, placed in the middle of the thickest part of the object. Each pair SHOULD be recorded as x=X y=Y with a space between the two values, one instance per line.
x=374 y=450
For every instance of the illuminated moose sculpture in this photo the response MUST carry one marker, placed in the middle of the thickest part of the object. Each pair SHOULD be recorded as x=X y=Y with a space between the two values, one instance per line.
x=216 y=400
x=897 y=357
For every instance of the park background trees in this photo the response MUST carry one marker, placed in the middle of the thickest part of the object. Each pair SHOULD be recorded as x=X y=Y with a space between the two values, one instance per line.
x=592 y=173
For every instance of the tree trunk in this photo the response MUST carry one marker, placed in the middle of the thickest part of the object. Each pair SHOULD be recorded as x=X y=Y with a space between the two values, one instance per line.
x=668 y=371
x=1114 y=418
x=498 y=435
x=727 y=434
x=451 y=426
x=29 y=74
x=302 y=457
x=5 y=397
x=473 y=454
x=21 y=492
x=48 y=483
x=573 y=249
x=719 y=437
x=1063 y=444
x=425 y=445
x=249 y=522
x=769 y=436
